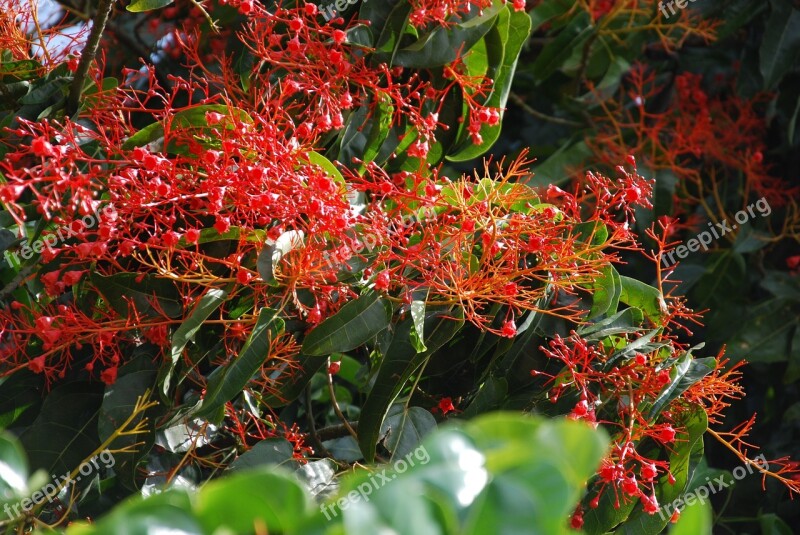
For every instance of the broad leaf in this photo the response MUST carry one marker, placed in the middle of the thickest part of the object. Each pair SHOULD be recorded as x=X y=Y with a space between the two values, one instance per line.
x=357 y=322
x=229 y=381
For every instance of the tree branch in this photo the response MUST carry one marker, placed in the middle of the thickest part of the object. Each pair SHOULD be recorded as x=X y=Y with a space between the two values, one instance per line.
x=88 y=54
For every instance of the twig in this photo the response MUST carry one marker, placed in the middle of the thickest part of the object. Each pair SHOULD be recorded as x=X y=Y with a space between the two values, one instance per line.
x=88 y=53
x=336 y=431
x=519 y=101
x=336 y=408
x=316 y=442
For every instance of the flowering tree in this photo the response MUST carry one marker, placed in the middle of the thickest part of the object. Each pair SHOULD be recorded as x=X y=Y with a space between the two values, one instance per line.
x=237 y=235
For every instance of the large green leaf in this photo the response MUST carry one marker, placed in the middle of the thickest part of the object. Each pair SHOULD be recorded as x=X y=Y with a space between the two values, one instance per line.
x=443 y=44
x=642 y=296
x=165 y=512
x=130 y=294
x=238 y=503
x=686 y=372
x=538 y=471
x=65 y=432
x=781 y=44
x=13 y=468
x=405 y=427
x=397 y=365
x=228 y=382
x=505 y=41
x=357 y=322
x=206 y=306
x=607 y=290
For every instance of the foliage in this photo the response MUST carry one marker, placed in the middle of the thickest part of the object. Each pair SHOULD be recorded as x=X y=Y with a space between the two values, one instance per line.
x=265 y=224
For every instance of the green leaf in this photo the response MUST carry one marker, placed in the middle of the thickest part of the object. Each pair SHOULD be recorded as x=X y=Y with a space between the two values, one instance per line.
x=405 y=428
x=130 y=294
x=237 y=503
x=230 y=380
x=26 y=69
x=696 y=519
x=166 y=512
x=557 y=52
x=771 y=524
x=418 y=327
x=193 y=118
x=443 y=44
x=13 y=468
x=626 y=321
x=357 y=322
x=65 y=432
x=269 y=257
x=206 y=306
x=270 y=451
x=138 y=6
x=397 y=365
x=504 y=41
x=607 y=290
x=538 y=471
x=686 y=372
x=642 y=296
x=781 y=44
x=118 y=402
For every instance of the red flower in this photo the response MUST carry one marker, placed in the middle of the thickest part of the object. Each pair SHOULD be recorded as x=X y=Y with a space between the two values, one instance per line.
x=630 y=486
x=382 y=281
x=509 y=329
x=109 y=375
x=36 y=365
x=445 y=406
x=577 y=517
x=666 y=434
x=648 y=471
x=649 y=503
x=41 y=147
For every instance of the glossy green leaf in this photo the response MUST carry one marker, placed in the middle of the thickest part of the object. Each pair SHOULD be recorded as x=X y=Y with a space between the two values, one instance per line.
x=167 y=512
x=686 y=372
x=642 y=296
x=625 y=321
x=505 y=40
x=695 y=519
x=357 y=322
x=227 y=383
x=239 y=502
x=607 y=289
x=13 y=467
x=405 y=428
x=206 y=306
x=270 y=451
x=397 y=365
x=138 y=6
